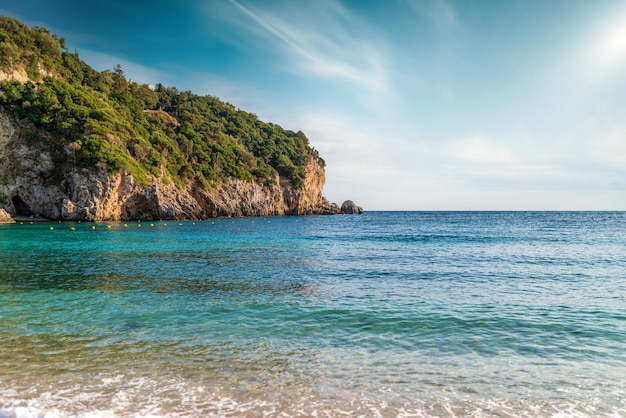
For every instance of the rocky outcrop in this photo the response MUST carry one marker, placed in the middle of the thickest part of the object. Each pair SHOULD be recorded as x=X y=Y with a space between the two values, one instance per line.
x=350 y=208
x=5 y=218
x=31 y=185
x=19 y=74
x=309 y=200
x=99 y=197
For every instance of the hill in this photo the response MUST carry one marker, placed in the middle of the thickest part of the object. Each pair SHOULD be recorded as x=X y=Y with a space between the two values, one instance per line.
x=79 y=144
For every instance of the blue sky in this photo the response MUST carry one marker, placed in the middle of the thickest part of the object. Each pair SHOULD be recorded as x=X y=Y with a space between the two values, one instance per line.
x=414 y=104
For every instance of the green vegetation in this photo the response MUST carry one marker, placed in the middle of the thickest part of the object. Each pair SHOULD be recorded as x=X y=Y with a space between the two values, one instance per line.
x=91 y=119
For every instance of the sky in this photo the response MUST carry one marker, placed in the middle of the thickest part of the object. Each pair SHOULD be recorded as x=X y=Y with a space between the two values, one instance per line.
x=413 y=104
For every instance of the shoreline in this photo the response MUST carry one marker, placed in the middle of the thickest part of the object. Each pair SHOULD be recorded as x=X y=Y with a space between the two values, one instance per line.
x=24 y=219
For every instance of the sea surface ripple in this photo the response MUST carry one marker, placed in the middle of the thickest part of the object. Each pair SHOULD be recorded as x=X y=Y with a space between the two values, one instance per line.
x=448 y=314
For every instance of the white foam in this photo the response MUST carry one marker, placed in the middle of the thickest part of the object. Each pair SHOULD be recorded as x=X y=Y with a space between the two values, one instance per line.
x=29 y=412
x=138 y=397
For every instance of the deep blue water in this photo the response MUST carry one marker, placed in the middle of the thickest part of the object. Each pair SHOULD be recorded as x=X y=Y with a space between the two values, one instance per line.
x=498 y=314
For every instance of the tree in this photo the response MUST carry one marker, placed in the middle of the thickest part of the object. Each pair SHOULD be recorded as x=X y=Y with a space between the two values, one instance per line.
x=119 y=79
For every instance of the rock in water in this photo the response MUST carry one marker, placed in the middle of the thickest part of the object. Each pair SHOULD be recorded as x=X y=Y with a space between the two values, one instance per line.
x=350 y=208
x=5 y=218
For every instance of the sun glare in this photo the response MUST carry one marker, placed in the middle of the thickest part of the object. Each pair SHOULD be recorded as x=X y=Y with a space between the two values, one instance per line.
x=611 y=45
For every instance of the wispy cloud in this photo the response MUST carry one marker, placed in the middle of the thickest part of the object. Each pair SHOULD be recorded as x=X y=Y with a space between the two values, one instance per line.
x=439 y=12
x=356 y=157
x=480 y=149
x=610 y=150
x=323 y=39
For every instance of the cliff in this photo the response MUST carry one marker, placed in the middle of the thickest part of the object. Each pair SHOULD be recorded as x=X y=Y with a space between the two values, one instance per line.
x=32 y=185
x=78 y=144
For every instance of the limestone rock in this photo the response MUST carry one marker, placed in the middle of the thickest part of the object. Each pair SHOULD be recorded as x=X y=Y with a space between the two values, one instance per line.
x=350 y=208
x=329 y=208
x=5 y=218
x=31 y=185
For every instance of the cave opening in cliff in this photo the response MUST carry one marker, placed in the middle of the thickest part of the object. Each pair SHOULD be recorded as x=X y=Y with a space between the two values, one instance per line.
x=21 y=208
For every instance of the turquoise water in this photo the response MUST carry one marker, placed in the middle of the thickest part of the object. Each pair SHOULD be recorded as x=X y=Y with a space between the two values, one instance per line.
x=449 y=314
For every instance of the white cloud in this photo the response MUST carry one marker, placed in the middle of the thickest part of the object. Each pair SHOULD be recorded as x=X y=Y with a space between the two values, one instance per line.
x=479 y=159
x=378 y=166
x=480 y=149
x=609 y=149
x=385 y=168
x=324 y=40
x=357 y=160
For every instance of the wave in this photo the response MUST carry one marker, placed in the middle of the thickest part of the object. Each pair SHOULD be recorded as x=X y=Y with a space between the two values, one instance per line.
x=180 y=401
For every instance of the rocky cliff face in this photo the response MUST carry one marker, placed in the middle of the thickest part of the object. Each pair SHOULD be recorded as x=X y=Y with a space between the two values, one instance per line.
x=5 y=218
x=32 y=185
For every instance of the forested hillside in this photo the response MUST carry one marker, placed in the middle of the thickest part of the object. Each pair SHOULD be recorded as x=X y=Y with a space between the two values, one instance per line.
x=91 y=120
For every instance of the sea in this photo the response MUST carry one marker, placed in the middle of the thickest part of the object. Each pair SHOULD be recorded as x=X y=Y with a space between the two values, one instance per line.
x=386 y=314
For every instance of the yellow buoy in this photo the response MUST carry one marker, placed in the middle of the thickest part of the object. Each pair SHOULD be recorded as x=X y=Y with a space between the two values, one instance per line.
x=151 y=224
x=72 y=228
x=125 y=225
x=180 y=224
x=93 y=227
x=109 y=226
x=51 y=228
